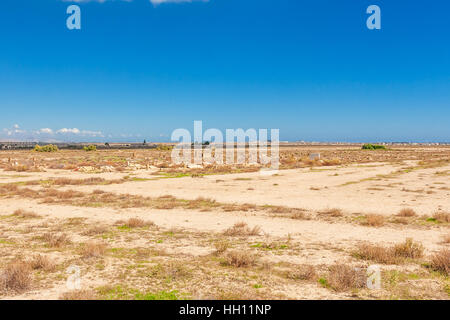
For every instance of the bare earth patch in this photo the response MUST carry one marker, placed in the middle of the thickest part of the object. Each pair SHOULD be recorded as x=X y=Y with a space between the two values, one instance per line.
x=131 y=225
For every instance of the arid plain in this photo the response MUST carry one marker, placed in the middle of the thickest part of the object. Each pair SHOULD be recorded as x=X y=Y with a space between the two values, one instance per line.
x=138 y=227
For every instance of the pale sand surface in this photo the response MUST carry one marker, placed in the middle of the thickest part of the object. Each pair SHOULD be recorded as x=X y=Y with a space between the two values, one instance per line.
x=356 y=189
x=346 y=190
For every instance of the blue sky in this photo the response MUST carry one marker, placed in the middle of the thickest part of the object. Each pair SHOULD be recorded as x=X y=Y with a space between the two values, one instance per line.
x=140 y=70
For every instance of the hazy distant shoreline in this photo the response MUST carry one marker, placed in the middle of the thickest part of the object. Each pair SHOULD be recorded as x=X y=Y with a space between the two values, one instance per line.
x=22 y=145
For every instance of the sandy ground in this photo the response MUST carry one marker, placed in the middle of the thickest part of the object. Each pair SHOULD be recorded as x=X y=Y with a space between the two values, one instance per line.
x=368 y=188
x=356 y=189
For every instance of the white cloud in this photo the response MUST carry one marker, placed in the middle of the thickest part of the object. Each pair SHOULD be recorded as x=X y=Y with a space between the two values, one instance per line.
x=68 y=130
x=46 y=130
x=48 y=135
x=92 y=133
x=77 y=131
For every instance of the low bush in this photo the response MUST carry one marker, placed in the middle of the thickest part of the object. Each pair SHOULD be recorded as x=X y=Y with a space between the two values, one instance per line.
x=302 y=272
x=16 y=277
x=406 y=212
x=46 y=148
x=390 y=255
x=442 y=217
x=90 y=148
x=240 y=259
x=369 y=146
x=164 y=147
x=242 y=229
x=441 y=261
x=343 y=277
x=41 y=262
x=93 y=250
x=374 y=220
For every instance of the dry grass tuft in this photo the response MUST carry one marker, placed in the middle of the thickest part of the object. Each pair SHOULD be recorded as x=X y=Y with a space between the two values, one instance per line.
x=238 y=207
x=95 y=230
x=446 y=239
x=221 y=247
x=93 y=250
x=87 y=181
x=25 y=214
x=376 y=253
x=41 y=262
x=79 y=295
x=406 y=212
x=166 y=196
x=16 y=277
x=374 y=220
x=442 y=216
x=342 y=277
x=56 y=241
x=390 y=255
x=409 y=249
x=240 y=259
x=242 y=229
x=400 y=220
x=440 y=261
x=298 y=215
x=302 y=272
x=135 y=223
x=334 y=212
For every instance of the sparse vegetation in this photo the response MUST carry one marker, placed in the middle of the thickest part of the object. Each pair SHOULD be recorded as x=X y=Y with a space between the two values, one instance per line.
x=79 y=295
x=376 y=253
x=16 y=277
x=441 y=216
x=302 y=272
x=93 y=250
x=440 y=261
x=199 y=249
x=41 y=262
x=406 y=212
x=408 y=249
x=334 y=212
x=390 y=255
x=90 y=148
x=369 y=146
x=446 y=239
x=164 y=147
x=95 y=230
x=221 y=246
x=242 y=229
x=46 y=148
x=240 y=259
x=374 y=220
x=56 y=240
x=135 y=223
x=343 y=277
x=25 y=214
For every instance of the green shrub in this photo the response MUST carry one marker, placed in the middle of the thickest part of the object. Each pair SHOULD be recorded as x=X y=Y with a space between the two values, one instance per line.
x=46 y=148
x=369 y=146
x=164 y=147
x=90 y=148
